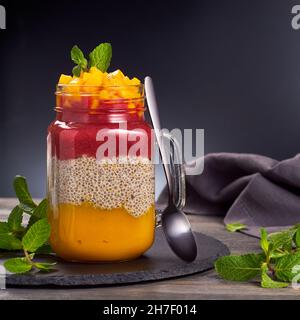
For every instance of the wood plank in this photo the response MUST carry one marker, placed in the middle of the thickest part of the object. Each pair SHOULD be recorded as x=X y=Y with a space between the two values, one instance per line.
x=201 y=286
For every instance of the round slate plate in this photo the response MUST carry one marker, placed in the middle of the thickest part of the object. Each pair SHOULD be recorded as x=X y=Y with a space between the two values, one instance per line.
x=156 y=264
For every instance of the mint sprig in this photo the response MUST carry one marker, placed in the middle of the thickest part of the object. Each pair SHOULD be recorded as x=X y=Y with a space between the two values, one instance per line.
x=276 y=266
x=34 y=238
x=100 y=58
x=31 y=239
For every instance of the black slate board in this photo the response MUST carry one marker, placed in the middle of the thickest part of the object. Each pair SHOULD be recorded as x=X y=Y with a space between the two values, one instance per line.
x=156 y=264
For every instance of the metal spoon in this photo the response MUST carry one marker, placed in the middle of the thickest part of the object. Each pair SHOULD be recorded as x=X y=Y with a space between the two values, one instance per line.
x=175 y=224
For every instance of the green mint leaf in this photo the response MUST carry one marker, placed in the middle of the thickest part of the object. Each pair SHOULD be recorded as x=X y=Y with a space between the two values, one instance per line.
x=15 y=219
x=268 y=282
x=44 y=266
x=17 y=265
x=239 y=268
x=282 y=240
x=233 y=227
x=297 y=238
x=77 y=57
x=36 y=236
x=9 y=242
x=44 y=249
x=264 y=243
x=101 y=56
x=23 y=194
x=76 y=71
x=287 y=266
x=40 y=212
x=4 y=228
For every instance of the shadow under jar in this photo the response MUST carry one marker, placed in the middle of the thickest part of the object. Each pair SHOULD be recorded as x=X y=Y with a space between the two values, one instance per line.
x=100 y=174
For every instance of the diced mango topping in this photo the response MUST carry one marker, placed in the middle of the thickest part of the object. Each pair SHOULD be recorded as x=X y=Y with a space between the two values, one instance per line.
x=111 y=85
x=95 y=77
x=64 y=79
x=102 y=86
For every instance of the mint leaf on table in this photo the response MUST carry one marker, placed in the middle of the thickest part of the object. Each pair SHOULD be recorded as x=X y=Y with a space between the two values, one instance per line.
x=268 y=282
x=40 y=212
x=279 y=262
x=239 y=268
x=101 y=56
x=23 y=194
x=18 y=265
x=9 y=242
x=15 y=219
x=236 y=226
x=77 y=57
x=45 y=266
x=36 y=236
x=284 y=267
x=32 y=239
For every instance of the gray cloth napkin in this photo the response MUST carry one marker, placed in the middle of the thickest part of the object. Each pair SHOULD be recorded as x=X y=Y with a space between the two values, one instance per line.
x=252 y=189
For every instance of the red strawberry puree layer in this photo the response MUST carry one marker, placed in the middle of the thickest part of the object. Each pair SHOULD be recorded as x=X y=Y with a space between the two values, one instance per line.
x=72 y=140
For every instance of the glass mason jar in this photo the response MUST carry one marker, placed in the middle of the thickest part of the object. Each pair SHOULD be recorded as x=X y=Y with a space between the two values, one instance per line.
x=100 y=175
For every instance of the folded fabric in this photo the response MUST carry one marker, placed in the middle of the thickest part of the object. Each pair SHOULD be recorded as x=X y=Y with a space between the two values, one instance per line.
x=252 y=189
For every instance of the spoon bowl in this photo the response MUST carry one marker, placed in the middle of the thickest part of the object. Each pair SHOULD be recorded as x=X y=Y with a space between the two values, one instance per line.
x=178 y=233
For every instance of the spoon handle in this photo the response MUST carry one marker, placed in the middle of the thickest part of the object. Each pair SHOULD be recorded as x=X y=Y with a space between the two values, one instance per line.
x=153 y=110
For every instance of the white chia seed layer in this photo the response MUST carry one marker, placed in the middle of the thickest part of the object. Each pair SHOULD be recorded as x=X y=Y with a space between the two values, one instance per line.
x=115 y=183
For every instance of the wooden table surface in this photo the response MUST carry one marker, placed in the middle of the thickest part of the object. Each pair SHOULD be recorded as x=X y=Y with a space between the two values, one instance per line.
x=205 y=285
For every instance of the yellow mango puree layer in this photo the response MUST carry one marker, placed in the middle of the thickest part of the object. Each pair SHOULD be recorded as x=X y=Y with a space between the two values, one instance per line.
x=86 y=233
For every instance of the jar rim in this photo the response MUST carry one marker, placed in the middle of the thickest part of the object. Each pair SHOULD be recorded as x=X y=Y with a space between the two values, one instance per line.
x=62 y=89
x=113 y=103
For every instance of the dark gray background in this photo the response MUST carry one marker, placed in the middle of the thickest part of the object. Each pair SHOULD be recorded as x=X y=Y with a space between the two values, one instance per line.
x=230 y=67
